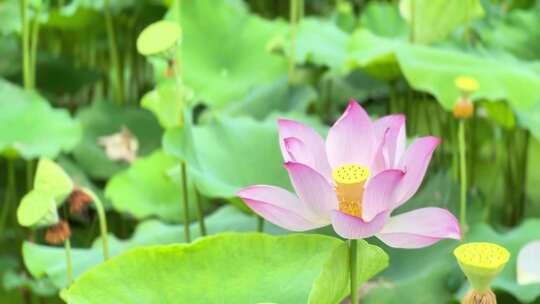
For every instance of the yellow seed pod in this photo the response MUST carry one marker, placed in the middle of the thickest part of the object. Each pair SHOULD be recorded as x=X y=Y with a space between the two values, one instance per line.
x=481 y=263
x=466 y=84
x=349 y=181
x=463 y=109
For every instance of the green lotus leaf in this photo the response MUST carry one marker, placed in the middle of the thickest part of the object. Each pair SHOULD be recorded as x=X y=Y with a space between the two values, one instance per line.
x=435 y=19
x=513 y=240
x=52 y=130
x=79 y=14
x=321 y=42
x=434 y=70
x=49 y=262
x=278 y=96
x=145 y=189
x=375 y=55
x=225 y=56
x=37 y=209
x=158 y=37
x=163 y=101
x=307 y=269
x=383 y=19
x=420 y=276
x=52 y=179
x=104 y=119
x=229 y=153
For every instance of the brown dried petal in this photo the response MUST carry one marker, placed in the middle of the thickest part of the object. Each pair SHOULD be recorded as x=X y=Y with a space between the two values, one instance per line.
x=58 y=233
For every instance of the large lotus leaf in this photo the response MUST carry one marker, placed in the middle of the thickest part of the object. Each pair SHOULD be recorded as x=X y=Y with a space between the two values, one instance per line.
x=47 y=261
x=419 y=276
x=277 y=96
x=321 y=42
x=226 y=55
x=230 y=153
x=145 y=189
x=31 y=128
x=375 y=55
x=78 y=14
x=106 y=118
x=383 y=19
x=263 y=269
x=435 y=19
x=434 y=70
x=513 y=240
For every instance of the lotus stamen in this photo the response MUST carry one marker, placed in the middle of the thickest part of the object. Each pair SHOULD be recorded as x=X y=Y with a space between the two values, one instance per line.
x=349 y=181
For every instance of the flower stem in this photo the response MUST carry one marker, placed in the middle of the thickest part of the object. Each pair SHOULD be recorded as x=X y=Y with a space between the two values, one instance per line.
x=463 y=175
x=25 y=39
x=353 y=266
x=69 y=266
x=200 y=213
x=113 y=50
x=260 y=224
x=295 y=12
x=185 y=204
x=102 y=222
x=33 y=51
x=9 y=194
x=29 y=174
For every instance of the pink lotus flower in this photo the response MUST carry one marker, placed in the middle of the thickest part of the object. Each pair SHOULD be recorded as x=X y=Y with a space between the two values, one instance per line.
x=354 y=181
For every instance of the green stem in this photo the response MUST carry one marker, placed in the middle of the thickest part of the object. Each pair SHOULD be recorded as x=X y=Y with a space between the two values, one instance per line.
x=25 y=39
x=102 y=222
x=200 y=212
x=353 y=266
x=69 y=265
x=260 y=224
x=455 y=150
x=463 y=175
x=9 y=194
x=185 y=204
x=294 y=15
x=33 y=52
x=113 y=50
x=29 y=175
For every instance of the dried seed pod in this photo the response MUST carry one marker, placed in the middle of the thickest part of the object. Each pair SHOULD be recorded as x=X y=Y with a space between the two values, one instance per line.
x=78 y=201
x=57 y=233
x=463 y=109
x=480 y=297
